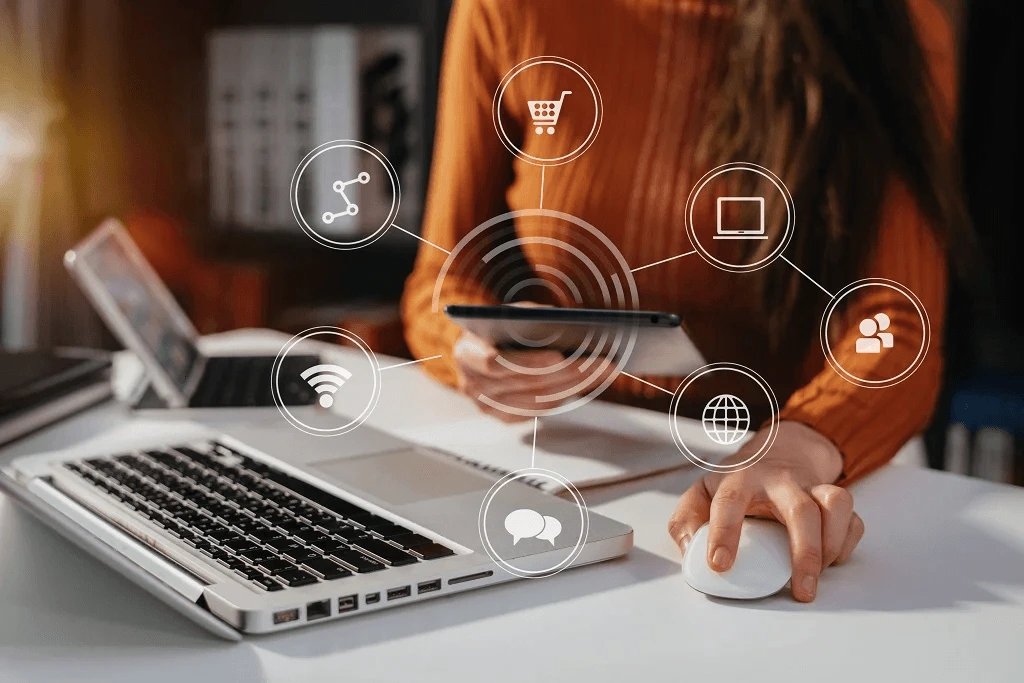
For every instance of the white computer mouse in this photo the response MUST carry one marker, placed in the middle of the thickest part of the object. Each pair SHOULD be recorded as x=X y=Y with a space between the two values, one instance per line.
x=762 y=565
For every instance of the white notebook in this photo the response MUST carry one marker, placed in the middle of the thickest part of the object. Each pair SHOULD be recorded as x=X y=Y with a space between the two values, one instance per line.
x=599 y=443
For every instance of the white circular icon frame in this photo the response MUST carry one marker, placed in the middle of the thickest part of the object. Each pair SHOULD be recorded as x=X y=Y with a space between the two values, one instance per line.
x=595 y=93
x=773 y=429
x=787 y=234
x=534 y=472
x=922 y=351
x=628 y=292
x=275 y=381
x=396 y=196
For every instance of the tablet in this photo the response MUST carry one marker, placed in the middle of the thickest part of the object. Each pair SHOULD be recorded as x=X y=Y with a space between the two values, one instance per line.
x=662 y=346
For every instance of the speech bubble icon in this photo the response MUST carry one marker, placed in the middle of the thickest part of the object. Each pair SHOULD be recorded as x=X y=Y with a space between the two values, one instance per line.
x=552 y=527
x=523 y=523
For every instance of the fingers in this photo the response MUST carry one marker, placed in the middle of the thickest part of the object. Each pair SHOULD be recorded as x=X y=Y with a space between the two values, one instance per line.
x=483 y=371
x=802 y=517
x=475 y=355
x=853 y=536
x=691 y=513
x=728 y=508
x=836 y=506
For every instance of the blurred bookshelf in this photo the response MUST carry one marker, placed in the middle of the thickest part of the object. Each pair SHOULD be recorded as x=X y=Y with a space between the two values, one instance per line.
x=389 y=54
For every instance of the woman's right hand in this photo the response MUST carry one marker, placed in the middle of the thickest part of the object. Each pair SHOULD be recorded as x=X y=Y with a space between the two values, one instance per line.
x=481 y=373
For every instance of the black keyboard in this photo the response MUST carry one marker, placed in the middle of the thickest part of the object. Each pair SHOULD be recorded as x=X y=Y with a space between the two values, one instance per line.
x=268 y=527
x=245 y=381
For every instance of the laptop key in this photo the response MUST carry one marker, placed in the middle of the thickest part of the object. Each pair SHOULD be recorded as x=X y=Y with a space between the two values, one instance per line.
x=266 y=583
x=258 y=555
x=389 y=553
x=239 y=545
x=285 y=545
x=349 y=533
x=231 y=562
x=390 y=530
x=221 y=535
x=321 y=540
x=275 y=565
x=433 y=551
x=327 y=569
x=296 y=577
x=412 y=541
x=368 y=520
x=307 y=554
x=250 y=573
x=356 y=560
x=266 y=534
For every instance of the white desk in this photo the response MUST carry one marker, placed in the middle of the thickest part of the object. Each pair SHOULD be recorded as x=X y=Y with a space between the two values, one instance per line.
x=934 y=593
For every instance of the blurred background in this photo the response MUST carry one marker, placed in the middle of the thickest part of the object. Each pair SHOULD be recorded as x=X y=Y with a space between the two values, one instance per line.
x=187 y=118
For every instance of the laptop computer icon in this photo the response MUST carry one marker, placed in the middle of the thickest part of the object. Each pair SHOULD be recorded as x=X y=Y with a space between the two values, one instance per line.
x=740 y=218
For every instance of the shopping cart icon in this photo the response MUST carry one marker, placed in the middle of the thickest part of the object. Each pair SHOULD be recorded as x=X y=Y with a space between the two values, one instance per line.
x=545 y=112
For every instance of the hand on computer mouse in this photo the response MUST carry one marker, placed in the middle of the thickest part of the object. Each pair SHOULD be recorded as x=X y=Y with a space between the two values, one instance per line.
x=792 y=483
x=480 y=373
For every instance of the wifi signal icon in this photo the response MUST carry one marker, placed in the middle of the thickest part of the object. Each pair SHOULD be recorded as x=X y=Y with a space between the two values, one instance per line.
x=326 y=379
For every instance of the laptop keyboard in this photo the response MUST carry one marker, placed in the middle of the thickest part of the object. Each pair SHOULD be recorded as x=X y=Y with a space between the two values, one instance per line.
x=268 y=527
x=245 y=381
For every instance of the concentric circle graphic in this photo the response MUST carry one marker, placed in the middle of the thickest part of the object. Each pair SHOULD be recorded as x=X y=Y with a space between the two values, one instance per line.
x=889 y=318
x=372 y=164
x=727 y=407
x=329 y=335
x=531 y=474
x=753 y=231
x=542 y=111
x=550 y=257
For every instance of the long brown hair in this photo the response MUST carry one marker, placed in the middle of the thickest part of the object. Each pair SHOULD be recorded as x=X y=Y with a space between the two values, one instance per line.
x=835 y=97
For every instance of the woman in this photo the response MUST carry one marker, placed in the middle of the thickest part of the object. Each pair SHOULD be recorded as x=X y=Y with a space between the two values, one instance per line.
x=849 y=102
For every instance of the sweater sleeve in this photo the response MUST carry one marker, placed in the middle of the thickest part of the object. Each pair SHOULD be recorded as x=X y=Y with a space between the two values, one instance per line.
x=469 y=175
x=869 y=425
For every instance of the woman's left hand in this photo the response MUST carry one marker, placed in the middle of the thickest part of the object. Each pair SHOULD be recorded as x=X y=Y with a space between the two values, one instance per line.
x=792 y=483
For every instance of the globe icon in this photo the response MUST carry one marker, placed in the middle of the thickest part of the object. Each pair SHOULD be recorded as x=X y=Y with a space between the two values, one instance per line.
x=725 y=419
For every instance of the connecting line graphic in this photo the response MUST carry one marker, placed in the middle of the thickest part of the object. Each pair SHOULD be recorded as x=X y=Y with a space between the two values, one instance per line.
x=664 y=260
x=412 y=234
x=533 y=455
x=643 y=381
x=830 y=294
x=409 y=362
x=542 y=186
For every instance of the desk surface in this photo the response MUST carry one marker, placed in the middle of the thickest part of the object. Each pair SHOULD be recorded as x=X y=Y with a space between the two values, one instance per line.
x=935 y=592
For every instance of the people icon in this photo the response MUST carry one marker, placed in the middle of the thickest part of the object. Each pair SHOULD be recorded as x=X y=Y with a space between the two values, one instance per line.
x=874 y=337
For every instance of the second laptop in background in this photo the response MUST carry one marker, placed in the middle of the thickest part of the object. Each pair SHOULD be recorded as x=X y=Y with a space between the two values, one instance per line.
x=141 y=312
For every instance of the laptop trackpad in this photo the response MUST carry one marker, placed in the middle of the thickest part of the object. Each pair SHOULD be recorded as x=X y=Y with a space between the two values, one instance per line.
x=402 y=477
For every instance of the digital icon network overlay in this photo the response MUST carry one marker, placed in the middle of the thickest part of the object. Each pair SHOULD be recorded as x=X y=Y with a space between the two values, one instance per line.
x=351 y=208
x=545 y=113
x=326 y=379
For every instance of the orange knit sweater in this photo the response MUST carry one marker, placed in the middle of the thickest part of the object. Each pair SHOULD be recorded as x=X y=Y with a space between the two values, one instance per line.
x=650 y=60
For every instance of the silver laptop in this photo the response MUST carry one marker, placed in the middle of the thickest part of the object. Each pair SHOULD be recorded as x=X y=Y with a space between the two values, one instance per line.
x=141 y=312
x=259 y=528
x=256 y=528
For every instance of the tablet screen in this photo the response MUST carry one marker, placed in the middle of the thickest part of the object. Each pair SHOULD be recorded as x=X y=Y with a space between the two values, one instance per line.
x=144 y=309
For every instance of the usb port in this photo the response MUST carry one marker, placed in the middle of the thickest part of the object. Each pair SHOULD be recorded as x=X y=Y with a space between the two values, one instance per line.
x=348 y=603
x=286 y=615
x=428 y=586
x=396 y=593
x=318 y=610
x=372 y=598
